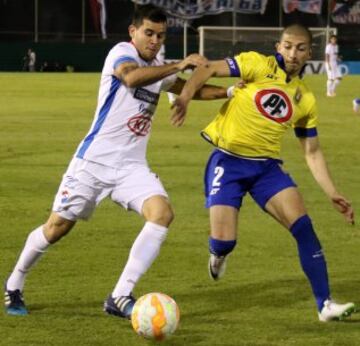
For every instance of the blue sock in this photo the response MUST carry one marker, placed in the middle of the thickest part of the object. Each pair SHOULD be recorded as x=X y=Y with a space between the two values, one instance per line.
x=221 y=247
x=311 y=258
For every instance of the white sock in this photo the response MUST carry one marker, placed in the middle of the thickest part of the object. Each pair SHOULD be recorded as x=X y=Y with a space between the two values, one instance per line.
x=35 y=246
x=142 y=254
x=329 y=86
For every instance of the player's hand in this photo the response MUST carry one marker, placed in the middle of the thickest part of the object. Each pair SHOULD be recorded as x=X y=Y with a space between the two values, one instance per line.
x=344 y=207
x=179 y=108
x=241 y=84
x=192 y=61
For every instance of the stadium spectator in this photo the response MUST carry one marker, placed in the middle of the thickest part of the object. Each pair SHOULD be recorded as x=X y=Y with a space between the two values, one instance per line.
x=111 y=160
x=331 y=64
x=31 y=61
x=247 y=134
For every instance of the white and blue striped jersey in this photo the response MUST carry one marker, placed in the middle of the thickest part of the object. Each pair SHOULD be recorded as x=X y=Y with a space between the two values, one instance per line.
x=121 y=127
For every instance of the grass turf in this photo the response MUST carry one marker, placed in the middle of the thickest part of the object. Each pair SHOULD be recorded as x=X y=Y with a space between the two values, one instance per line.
x=263 y=300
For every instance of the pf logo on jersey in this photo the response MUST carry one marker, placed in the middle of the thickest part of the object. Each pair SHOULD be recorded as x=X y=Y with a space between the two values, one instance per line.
x=274 y=104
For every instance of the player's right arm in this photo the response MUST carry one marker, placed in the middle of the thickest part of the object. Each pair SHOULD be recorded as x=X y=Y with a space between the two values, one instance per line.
x=198 y=78
x=132 y=75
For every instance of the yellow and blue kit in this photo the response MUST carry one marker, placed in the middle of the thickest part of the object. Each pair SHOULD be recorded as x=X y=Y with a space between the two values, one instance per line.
x=249 y=127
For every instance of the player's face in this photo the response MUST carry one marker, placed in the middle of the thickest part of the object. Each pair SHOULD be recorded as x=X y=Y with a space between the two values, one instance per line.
x=333 y=40
x=296 y=51
x=148 y=38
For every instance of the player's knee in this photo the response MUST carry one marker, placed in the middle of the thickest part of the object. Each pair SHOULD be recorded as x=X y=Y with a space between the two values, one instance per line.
x=57 y=227
x=162 y=216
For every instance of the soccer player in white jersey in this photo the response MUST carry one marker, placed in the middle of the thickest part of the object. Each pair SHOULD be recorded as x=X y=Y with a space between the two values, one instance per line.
x=111 y=160
x=331 y=65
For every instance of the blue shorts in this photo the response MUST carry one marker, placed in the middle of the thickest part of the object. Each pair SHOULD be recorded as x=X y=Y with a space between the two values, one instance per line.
x=228 y=178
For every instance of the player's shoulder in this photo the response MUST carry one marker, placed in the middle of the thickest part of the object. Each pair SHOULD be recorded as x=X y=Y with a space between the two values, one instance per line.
x=251 y=55
x=123 y=48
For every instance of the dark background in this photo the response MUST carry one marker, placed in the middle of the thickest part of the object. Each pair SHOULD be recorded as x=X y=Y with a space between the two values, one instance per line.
x=60 y=31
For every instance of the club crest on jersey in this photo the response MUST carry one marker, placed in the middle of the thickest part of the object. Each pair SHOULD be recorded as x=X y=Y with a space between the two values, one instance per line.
x=274 y=104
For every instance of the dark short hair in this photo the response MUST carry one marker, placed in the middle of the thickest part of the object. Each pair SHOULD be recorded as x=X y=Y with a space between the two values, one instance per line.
x=333 y=36
x=150 y=12
x=297 y=29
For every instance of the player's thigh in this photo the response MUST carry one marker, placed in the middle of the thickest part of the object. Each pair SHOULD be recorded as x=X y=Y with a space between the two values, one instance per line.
x=286 y=206
x=330 y=73
x=80 y=191
x=223 y=222
x=135 y=186
x=271 y=180
x=225 y=180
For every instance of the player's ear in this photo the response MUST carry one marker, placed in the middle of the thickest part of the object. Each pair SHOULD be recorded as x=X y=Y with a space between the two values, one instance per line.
x=132 y=29
x=277 y=45
x=310 y=53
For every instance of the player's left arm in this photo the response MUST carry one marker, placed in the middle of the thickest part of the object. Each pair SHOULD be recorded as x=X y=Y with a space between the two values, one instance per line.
x=317 y=164
x=206 y=92
x=197 y=80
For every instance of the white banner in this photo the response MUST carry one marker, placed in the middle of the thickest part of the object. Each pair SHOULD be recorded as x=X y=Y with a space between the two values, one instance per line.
x=307 y=6
x=190 y=9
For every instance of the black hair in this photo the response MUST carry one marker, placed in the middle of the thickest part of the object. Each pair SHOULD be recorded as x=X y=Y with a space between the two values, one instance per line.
x=298 y=29
x=150 y=12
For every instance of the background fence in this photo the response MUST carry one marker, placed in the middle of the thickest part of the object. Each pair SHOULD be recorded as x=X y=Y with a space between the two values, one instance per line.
x=66 y=31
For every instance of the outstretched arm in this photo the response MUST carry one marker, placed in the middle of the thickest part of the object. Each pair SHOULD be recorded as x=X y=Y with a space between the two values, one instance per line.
x=132 y=75
x=194 y=83
x=318 y=167
x=207 y=91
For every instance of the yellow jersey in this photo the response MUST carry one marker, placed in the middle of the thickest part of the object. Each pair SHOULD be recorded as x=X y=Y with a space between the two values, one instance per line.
x=253 y=121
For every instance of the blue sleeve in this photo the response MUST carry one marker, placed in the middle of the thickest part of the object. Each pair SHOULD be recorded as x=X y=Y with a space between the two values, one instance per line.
x=303 y=132
x=123 y=59
x=233 y=66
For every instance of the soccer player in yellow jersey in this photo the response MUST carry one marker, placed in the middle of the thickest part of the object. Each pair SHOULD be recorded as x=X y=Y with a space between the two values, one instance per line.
x=246 y=134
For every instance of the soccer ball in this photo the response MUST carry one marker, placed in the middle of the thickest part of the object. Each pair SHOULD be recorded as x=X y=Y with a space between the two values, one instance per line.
x=356 y=105
x=155 y=316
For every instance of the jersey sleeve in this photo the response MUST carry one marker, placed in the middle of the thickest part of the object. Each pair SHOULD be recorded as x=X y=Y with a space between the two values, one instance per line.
x=251 y=65
x=307 y=125
x=123 y=53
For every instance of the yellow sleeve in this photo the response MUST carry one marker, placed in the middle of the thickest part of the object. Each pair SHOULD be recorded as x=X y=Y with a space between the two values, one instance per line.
x=252 y=65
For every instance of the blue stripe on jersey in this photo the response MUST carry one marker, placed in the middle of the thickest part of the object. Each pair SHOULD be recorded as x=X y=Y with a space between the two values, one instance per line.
x=104 y=111
x=302 y=132
x=122 y=60
x=233 y=66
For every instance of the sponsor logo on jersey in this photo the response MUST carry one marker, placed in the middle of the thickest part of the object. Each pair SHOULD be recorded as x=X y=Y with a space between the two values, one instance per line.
x=146 y=95
x=140 y=124
x=274 y=104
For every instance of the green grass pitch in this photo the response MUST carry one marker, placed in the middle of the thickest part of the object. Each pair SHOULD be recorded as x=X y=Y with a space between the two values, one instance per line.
x=264 y=299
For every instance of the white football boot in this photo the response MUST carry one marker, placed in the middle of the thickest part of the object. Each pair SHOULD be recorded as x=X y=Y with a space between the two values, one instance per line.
x=217 y=266
x=333 y=311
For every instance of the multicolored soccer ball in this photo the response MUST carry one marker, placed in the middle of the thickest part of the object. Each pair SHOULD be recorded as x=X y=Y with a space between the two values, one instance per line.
x=155 y=316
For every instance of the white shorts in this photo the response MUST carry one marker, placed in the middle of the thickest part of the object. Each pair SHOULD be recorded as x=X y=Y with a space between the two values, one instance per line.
x=85 y=184
x=334 y=72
